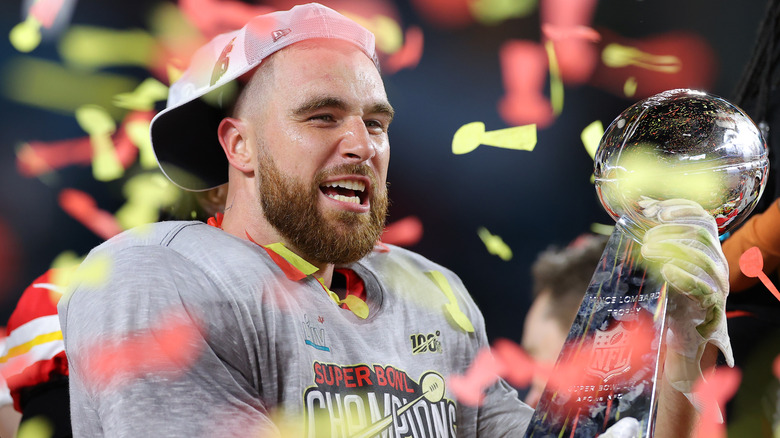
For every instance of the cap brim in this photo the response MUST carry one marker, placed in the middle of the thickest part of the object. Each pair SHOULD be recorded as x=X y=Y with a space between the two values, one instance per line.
x=200 y=164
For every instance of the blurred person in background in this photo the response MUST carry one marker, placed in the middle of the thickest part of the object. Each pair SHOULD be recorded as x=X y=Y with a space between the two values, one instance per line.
x=560 y=279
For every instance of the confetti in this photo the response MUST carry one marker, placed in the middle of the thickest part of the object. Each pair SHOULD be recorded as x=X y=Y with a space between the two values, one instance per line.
x=45 y=11
x=492 y=12
x=556 y=83
x=616 y=55
x=409 y=55
x=469 y=136
x=524 y=72
x=404 y=232
x=751 y=263
x=591 y=136
x=143 y=97
x=560 y=33
x=629 y=87
x=82 y=207
x=35 y=427
x=146 y=194
x=452 y=308
x=96 y=47
x=495 y=245
x=168 y=349
x=213 y=17
x=49 y=85
x=482 y=373
x=713 y=392
x=100 y=127
x=26 y=36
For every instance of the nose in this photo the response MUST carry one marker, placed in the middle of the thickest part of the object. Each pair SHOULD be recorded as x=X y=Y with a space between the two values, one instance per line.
x=355 y=142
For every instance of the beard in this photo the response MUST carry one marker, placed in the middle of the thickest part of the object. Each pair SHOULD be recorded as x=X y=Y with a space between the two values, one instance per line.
x=292 y=208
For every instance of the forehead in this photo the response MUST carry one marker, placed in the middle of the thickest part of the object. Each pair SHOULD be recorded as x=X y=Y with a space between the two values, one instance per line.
x=325 y=67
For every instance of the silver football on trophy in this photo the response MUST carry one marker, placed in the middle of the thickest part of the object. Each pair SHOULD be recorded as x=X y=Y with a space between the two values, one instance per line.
x=682 y=144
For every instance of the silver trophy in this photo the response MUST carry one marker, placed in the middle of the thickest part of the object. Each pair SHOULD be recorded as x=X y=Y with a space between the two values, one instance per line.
x=677 y=144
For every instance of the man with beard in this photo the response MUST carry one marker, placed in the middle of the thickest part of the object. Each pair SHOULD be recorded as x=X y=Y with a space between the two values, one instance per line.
x=284 y=317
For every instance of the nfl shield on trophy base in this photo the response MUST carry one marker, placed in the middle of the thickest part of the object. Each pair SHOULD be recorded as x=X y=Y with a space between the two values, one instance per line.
x=608 y=366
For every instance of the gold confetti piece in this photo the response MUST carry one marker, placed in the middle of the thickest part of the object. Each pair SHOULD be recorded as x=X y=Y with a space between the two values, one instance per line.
x=138 y=132
x=495 y=245
x=292 y=258
x=629 y=87
x=100 y=126
x=591 y=136
x=174 y=74
x=491 y=12
x=96 y=47
x=556 y=83
x=469 y=136
x=36 y=427
x=389 y=36
x=49 y=85
x=452 y=307
x=26 y=36
x=143 y=97
x=604 y=230
x=146 y=194
x=615 y=55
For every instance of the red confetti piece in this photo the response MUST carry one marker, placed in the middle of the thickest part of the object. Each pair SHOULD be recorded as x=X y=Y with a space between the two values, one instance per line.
x=37 y=158
x=82 y=207
x=517 y=367
x=751 y=263
x=45 y=11
x=716 y=391
x=169 y=349
x=566 y=22
x=409 y=55
x=404 y=232
x=776 y=367
x=524 y=70
x=483 y=372
x=446 y=14
x=213 y=17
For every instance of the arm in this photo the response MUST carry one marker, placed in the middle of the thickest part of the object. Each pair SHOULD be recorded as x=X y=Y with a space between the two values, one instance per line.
x=685 y=249
x=763 y=231
x=150 y=349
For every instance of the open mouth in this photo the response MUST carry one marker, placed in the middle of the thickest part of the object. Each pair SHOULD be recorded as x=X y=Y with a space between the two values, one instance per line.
x=346 y=190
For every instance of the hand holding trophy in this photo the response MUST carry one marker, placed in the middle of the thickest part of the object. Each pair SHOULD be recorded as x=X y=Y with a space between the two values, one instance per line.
x=673 y=170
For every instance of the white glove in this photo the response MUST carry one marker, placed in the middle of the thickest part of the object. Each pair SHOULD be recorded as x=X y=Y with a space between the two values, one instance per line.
x=627 y=427
x=686 y=248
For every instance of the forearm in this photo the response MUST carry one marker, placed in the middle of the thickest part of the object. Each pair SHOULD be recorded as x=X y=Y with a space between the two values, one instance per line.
x=676 y=415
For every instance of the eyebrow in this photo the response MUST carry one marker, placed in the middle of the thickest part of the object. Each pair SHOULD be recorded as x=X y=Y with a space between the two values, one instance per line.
x=317 y=103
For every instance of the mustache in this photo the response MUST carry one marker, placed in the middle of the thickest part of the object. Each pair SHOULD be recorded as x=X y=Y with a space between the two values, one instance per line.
x=361 y=169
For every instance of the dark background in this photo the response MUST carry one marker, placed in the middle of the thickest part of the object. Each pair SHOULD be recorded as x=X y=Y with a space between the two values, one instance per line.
x=530 y=199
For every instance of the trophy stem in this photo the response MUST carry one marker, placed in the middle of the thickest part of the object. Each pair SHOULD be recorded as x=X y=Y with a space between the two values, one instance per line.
x=608 y=367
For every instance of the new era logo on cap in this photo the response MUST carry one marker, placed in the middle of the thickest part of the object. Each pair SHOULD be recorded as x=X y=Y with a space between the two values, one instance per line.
x=279 y=33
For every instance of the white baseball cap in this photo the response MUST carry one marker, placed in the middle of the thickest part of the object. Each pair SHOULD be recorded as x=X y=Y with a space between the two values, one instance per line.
x=184 y=134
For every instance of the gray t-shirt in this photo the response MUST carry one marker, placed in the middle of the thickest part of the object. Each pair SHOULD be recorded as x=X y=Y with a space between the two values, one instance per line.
x=256 y=353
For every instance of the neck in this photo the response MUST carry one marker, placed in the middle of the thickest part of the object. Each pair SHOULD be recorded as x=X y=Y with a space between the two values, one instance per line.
x=240 y=221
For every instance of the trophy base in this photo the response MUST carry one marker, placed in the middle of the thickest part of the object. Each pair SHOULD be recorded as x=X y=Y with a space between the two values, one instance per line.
x=608 y=367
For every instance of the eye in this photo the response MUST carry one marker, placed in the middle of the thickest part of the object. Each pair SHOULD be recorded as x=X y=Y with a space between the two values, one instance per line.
x=375 y=126
x=323 y=118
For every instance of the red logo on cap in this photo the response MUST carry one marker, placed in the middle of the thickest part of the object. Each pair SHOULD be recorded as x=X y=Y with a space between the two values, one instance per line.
x=279 y=33
x=222 y=63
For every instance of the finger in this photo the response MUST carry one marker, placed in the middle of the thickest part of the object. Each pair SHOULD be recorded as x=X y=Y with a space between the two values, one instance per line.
x=691 y=286
x=691 y=256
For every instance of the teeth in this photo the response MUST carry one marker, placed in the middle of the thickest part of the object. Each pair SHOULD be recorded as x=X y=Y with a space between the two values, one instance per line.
x=347 y=184
x=352 y=199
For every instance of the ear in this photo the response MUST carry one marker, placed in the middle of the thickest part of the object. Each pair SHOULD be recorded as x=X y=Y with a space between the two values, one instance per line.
x=237 y=144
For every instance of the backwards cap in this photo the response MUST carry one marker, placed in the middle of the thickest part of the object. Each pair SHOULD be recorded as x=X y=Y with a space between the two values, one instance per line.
x=184 y=134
